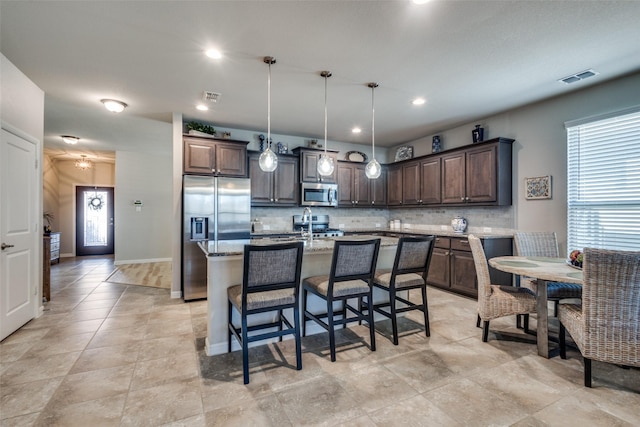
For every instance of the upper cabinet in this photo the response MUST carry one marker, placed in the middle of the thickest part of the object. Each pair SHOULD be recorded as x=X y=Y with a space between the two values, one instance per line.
x=479 y=175
x=218 y=157
x=394 y=185
x=421 y=182
x=277 y=188
x=353 y=185
x=309 y=165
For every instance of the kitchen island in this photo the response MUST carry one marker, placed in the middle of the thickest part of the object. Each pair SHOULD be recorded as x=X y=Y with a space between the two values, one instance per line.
x=224 y=269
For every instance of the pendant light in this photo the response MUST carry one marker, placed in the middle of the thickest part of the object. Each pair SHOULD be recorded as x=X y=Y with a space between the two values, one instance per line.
x=325 y=163
x=373 y=168
x=268 y=160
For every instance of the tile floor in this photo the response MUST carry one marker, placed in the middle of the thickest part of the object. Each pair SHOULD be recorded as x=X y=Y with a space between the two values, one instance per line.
x=106 y=354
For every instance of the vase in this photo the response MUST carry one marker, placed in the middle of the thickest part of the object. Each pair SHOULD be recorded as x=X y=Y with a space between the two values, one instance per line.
x=477 y=134
x=459 y=224
x=436 y=146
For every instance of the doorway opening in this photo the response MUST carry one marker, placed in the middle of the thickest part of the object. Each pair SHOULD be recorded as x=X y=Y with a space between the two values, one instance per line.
x=94 y=220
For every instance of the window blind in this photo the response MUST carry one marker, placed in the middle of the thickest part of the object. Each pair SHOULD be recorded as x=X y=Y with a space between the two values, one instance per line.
x=603 y=179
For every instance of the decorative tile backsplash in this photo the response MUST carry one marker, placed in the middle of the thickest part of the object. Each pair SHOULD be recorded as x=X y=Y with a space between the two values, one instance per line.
x=478 y=218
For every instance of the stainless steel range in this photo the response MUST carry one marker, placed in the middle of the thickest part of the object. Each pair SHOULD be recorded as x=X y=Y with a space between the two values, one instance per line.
x=319 y=226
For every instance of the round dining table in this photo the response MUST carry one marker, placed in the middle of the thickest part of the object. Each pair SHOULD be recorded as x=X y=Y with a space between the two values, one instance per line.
x=545 y=270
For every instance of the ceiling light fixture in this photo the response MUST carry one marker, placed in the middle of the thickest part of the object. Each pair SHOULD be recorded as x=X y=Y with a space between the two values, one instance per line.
x=202 y=107
x=420 y=1
x=214 y=53
x=114 y=105
x=356 y=130
x=83 y=163
x=70 y=139
x=268 y=161
x=373 y=168
x=418 y=101
x=325 y=163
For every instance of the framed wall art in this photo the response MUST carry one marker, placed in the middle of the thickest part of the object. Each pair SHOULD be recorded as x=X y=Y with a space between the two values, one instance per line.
x=538 y=187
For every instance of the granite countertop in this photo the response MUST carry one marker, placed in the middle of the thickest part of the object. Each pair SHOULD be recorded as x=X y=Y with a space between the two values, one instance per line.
x=442 y=231
x=318 y=244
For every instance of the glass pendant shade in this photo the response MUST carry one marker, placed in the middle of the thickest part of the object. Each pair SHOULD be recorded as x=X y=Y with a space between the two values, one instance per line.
x=268 y=161
x=325 y=165
x=373 y=169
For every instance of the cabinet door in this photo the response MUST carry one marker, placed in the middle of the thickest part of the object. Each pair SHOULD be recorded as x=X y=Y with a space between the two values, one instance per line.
x=453 y=178
x=394 y=186
x=411 y=183
x=285 y=185
x=481 y=175
x=310 y=168
x=361 y=195
x=231 y=160
x=199 y=157
x=378 y=189
x=430 y=188
x=261 y=183
x=463 y=273
x=346 y=184
x=439 y=268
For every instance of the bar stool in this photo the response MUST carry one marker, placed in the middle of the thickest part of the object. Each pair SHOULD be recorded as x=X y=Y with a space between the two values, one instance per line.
x=270 y=282
x=351 y=276
x=409 y=271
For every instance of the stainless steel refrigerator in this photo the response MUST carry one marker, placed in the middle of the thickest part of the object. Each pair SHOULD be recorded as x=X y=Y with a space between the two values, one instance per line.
x=213 y=209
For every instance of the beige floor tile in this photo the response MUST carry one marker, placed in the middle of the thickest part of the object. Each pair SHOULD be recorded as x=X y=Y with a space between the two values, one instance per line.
x=264 y=411
x=197 y=421
x=124 y=321
x=101 y=412
x=155 y=372
x=11 y=352
x=106 y=357
x=92 y=385
x=61 y=344
x=415 y=411
x=27 y=397
x=168 y=328
x=578 y=410
x=422 y=370
x=35 y=368
x=21 y=420
x=118 y=337
x=70 y=327
x=167 y=346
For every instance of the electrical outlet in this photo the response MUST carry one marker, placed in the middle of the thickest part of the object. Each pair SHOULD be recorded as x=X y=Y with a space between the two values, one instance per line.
x=377 y=225
x=340 y=226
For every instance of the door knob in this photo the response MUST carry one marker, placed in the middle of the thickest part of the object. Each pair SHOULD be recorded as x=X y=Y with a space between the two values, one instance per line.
x=5 y=246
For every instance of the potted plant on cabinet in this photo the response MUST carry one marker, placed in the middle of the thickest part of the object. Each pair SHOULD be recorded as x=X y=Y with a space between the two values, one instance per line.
x=200 y=129
x=48 y=217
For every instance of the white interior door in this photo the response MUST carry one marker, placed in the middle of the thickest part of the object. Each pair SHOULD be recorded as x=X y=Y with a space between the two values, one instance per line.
x=18 y=233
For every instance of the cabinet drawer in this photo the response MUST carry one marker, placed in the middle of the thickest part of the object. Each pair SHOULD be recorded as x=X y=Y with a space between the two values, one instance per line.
x=442 y=242
x=55 y=246
x=460 y=245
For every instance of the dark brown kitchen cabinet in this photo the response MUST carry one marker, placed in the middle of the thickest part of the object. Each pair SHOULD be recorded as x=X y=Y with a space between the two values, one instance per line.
x=478 y=175
x=277 y=188
x=378 y=189
x=309 y=165
x=394 y=185
x=452 y=265
x=353 y=185
x=217 y=157
x=421 y=182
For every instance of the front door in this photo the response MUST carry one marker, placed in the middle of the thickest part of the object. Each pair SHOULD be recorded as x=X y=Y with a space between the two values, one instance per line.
x=94 y=220
x=19 y=236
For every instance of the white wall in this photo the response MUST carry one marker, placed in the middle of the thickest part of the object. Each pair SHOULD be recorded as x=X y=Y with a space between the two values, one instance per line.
x=143 y=236
x=50 y=191
x=540 y=147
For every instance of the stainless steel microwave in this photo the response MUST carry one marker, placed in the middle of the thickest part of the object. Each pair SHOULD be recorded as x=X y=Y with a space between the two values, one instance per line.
x=319 y=194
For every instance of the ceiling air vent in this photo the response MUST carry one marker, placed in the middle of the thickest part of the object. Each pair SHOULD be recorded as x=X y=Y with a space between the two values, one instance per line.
x=210 y=96
x=578 y=76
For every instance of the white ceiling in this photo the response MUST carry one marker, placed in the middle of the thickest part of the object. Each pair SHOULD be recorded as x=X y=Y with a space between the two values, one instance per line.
x=469 y=59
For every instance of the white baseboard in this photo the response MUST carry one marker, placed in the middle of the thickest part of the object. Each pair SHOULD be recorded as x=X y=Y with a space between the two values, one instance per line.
x=141 y=261
x=67 y=255
x=176 y=294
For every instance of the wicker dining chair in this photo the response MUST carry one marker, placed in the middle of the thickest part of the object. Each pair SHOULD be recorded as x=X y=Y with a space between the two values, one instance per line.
x=544 y=244
x=496 y=301
x=270 y=283
x=409 y=271
x=606 y=327
x=351 y=277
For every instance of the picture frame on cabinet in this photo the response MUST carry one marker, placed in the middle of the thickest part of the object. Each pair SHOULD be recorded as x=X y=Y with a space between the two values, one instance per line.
x=538 y=187
x=404 y=153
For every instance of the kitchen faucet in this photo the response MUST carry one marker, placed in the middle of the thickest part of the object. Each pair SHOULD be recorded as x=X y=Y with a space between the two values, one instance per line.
x=306 y=213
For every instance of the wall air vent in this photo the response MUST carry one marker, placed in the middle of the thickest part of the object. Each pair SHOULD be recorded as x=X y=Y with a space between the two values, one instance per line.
x=210 y=96
x=578 y=76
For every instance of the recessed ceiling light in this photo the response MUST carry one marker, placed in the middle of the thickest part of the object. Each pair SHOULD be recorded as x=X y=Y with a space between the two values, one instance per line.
x=69 y=139
x=420 y=1
x=418 y=101
x=356 y=130
x=202 y=107
x=213 y=53
x=114 y=105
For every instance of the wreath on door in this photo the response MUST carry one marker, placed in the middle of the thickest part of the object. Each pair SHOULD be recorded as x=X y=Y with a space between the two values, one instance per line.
x=96 y=202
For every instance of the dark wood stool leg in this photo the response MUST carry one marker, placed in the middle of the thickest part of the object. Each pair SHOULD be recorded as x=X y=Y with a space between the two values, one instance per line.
x=587 y=372
x=485 y=331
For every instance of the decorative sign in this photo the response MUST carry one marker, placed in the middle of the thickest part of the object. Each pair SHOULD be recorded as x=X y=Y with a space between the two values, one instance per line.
x=404 y=153
x=538 y=187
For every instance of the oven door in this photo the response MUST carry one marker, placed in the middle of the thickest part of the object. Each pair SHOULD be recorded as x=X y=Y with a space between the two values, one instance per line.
x=319 y=194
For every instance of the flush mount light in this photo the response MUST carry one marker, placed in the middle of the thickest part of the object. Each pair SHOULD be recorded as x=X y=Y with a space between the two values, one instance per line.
x=69 y=139
x=420 y=1
x=114 y=105
x=356 y=130
x=213 y=53
x=418 y=101
x=202 y=107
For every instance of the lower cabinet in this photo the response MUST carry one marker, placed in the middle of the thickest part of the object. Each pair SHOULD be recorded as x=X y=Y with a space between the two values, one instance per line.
x=452 y=267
